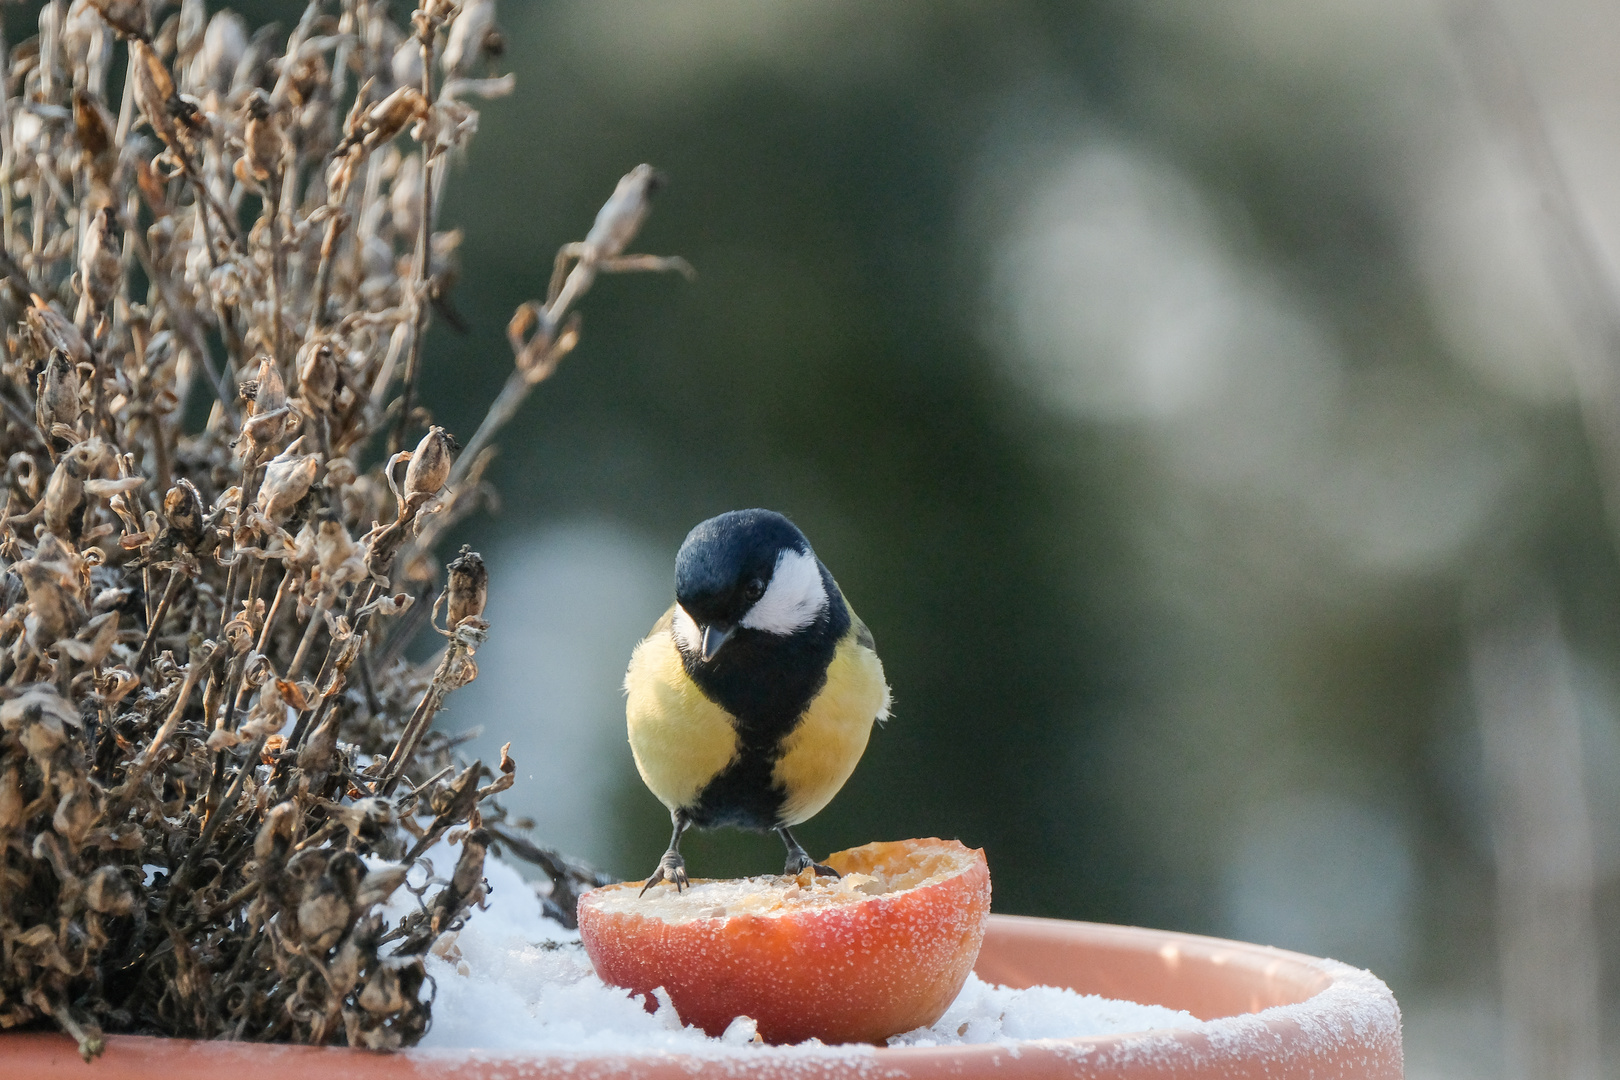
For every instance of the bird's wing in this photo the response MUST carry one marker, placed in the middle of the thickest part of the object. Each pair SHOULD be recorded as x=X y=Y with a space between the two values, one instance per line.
x=819 y=754
x=863 y=636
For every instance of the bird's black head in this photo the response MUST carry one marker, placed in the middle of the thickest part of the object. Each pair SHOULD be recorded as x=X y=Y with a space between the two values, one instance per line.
x=750 y=569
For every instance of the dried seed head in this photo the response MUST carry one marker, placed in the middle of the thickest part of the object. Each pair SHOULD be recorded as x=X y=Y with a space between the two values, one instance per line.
x=168 y=33
x=377 y=886
x=469 y=587
x=324 y=913
x=90 y=125
x=154 y=92
x=405 y=195
x=116 y=684
x=366 y=819
x=32 y=705
x=261 y=139
x=315 y=756
x=92 y=644
x=621 y=217
x=193 y=25
x=269 y=392
x=381 y=994
x=77 y=811
x=100 y=265
x=333 y=546
x=189 y=116
x=65 y=491
x=86 y=43
x=222 y=739
x=41 y=739
x=389 y=117
x=344 y=970
x=317 y=374
x=109 y=892
x=54 y=331
x=128 y=17
x=270 y=418
x=430 y=463
x=468 y=33
x=253 y=69
x=406 y=64
x=269 y=712
x=40 y=719
x=469 y=871
x=183 y=510
x=223 y=44
x=54 y=608
x=347 y=869
x=57 y=399
x=287 y=479
x=341 y=472
x=276 y=830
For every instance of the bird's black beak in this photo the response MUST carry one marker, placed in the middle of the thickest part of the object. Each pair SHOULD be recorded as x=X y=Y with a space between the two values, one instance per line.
x=714 y=636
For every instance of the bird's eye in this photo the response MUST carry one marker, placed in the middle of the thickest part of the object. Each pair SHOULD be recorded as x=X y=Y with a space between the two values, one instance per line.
x=755 y=590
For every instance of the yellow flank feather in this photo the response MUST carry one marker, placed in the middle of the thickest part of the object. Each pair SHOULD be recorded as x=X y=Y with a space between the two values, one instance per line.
x=821 y=752
x=680 y=738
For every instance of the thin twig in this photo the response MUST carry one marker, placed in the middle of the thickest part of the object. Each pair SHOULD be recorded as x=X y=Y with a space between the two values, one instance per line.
x=419 y=266
x=150 y=641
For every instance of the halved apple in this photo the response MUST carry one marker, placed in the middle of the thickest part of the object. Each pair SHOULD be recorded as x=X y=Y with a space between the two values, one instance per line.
x=881 y=950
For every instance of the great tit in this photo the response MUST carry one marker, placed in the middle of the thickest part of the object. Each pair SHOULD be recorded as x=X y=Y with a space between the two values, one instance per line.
x=753 y=697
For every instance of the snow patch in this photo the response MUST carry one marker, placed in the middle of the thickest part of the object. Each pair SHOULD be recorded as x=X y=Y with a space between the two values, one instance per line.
x=986 y=1013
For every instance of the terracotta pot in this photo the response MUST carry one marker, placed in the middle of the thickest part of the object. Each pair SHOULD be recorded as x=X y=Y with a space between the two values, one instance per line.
x=1288 y=1016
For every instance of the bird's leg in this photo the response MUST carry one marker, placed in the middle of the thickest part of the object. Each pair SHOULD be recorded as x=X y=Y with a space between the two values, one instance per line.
x=798 y=858
x=671 y=868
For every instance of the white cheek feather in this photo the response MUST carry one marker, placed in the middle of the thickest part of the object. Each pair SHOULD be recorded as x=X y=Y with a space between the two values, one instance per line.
x=794 y=598
x=687 y=634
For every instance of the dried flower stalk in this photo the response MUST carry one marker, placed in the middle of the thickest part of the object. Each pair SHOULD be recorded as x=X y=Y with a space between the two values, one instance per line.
x=206 y=719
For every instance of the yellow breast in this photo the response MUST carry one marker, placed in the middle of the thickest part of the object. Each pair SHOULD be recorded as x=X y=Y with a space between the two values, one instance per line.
x=822 y=751
x=680 y=738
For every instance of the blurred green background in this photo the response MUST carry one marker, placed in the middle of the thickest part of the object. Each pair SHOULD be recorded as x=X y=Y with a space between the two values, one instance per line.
x=1185 y=394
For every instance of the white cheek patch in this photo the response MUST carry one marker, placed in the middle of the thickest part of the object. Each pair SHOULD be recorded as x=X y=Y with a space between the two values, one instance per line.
x=794 y=598
x=687 y=634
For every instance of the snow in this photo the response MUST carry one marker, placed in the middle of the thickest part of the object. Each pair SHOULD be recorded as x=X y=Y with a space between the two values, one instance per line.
x=985 y=1013
x=513 y=980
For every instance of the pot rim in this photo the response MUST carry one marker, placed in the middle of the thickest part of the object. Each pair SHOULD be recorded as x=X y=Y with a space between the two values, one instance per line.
x=1296 y=1016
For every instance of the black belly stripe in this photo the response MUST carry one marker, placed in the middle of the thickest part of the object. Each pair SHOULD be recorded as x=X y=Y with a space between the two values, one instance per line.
x=742 y=796
x=765 y=682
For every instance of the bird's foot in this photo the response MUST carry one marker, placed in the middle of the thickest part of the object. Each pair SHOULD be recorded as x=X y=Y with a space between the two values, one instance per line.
x=798 y=862
x=671 y=868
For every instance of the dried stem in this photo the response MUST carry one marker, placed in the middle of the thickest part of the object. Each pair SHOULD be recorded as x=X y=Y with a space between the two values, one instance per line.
x=150 y=641
x=419 y=265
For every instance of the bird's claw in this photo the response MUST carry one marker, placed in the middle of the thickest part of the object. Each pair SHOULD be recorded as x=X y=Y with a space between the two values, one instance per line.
x=671 y=868
x=798 y=863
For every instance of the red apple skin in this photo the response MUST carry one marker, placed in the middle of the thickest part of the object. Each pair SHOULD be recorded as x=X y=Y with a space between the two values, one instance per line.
x=858 y=972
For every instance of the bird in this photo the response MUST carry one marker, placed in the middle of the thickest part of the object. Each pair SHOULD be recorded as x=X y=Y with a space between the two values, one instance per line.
x=753 y=697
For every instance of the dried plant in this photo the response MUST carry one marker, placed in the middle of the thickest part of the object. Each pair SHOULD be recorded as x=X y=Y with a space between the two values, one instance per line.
x=216 y=761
